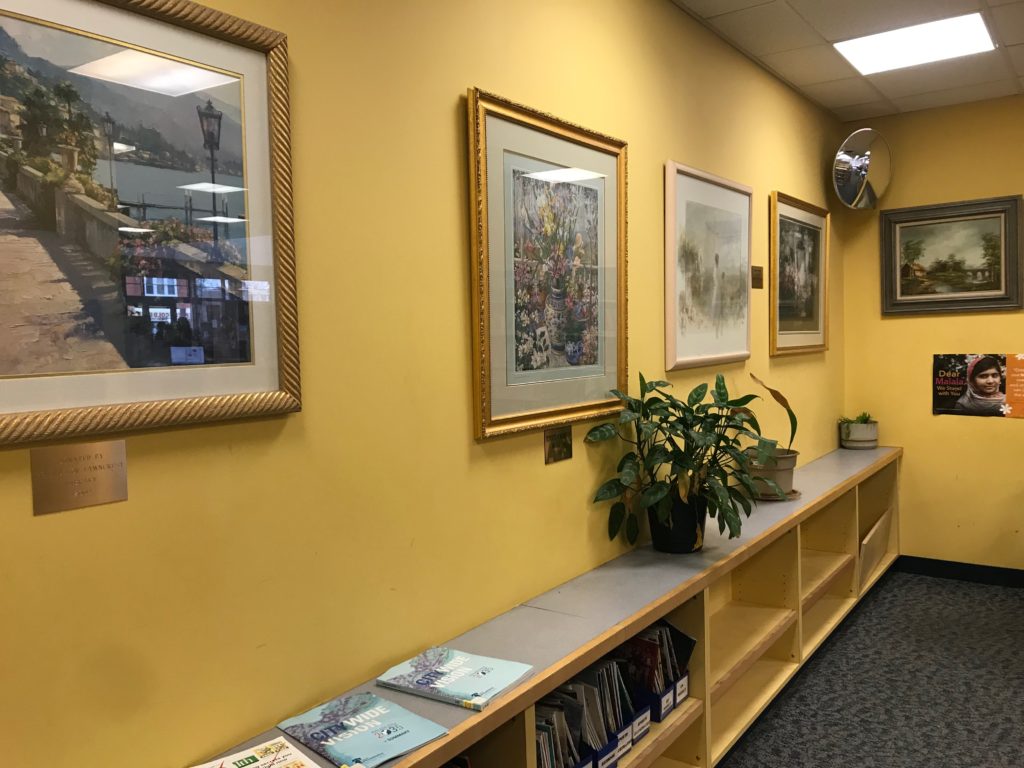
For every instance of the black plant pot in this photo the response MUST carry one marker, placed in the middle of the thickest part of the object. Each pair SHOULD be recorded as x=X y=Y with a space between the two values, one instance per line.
x=686 y=534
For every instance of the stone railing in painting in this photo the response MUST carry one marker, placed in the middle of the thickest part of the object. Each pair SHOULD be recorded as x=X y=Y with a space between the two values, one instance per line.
x=89 y=224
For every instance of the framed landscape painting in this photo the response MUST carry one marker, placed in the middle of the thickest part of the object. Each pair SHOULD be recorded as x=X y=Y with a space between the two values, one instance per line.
x=549 y=268
x=955 y=257
x=707 y=269
x=798 y=261
x=146 y=265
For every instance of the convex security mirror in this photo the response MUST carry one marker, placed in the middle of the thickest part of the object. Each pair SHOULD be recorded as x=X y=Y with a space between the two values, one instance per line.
x=862 y=169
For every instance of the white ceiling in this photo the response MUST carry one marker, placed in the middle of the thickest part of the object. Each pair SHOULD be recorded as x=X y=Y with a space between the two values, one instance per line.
x=793 y=40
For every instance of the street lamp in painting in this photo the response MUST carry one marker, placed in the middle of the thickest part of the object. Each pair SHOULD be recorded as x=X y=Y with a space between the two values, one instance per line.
x=108 y=131
x=209 y=123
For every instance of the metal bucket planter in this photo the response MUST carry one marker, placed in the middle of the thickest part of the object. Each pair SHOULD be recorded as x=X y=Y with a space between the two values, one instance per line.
x=779 y=467
x=858 y=436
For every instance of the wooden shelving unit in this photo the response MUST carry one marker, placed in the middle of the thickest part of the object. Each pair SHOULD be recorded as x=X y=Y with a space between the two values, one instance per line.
x=758 y=607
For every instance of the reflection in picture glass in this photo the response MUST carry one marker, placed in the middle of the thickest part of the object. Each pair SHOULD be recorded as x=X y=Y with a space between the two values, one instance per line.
x=123 y=207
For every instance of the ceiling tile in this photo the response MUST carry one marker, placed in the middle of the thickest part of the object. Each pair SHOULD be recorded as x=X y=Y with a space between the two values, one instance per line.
x=942 y=75
x=842 y=19
x=842 y=93
x=708 y=8
x=815 y=64
x=1009 y=24
x=766 y=29
x=957 y=95
x=1016 y=53
x=865 y=111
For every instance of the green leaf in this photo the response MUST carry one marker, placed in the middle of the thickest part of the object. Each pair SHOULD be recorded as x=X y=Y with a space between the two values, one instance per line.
x=632 y=528
x=601 y=432
x=643 y=385
x=721 y=495
x=697 y=394
x=626 y=459
x=657 y=455
x=781 y=400
x=740 y=499
x=739 y=402
x=647 y=429
x=773 y=487
x=732 y=520
x=654 y=494
x=612 y=489
x=721 y=393
x=627 y=416
x=628 y=473
x=615 y=517
x=746 y=415
x=650 y=386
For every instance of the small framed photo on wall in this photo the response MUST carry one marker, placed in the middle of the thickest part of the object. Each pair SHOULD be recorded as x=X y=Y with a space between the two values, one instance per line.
x=798 y=289
x=707 y=269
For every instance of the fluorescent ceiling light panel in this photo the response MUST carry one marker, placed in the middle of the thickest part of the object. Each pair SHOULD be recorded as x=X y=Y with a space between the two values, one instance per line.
x=152 y=73
x=221 y=219
x=118 y=147
x=920 y=44
x=205 y=186
x=134 y=229
x=565 y=174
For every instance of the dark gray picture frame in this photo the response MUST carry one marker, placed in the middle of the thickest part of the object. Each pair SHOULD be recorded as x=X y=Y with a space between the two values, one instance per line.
x=959 y=286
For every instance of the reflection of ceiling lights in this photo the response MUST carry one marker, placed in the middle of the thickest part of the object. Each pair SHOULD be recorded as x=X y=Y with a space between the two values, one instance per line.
x=565 y=174
x=153 y=73
x=919 y=44
x=217 y=189
x=134 y=230
x=119 y=148
x=221 y=219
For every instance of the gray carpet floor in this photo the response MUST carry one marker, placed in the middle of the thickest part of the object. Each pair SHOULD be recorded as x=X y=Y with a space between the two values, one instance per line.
x=925 y=673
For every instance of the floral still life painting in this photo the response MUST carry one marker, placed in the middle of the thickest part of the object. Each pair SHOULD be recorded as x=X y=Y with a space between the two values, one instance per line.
x=556 y=273
x=548 y=224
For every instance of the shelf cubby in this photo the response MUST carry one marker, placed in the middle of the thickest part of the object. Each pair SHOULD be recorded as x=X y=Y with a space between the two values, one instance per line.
x=685 y=724
x=739 y=706
x=828 y=550
x=751 y=608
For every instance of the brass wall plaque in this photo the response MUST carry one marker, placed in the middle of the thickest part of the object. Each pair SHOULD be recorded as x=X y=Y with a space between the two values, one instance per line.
x=81 y=475
x=757 y=277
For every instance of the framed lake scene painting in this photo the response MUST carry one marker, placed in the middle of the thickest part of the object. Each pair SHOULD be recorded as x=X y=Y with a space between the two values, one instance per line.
x=798 y=261
x=707 y=269
x=549 y=268
x=955 y=257
x=146 y=264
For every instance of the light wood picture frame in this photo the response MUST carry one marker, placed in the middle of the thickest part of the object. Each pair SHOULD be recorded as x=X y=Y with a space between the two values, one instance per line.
x=707 y=268
x=147 y=166
x=798 y=281
x=548 y=231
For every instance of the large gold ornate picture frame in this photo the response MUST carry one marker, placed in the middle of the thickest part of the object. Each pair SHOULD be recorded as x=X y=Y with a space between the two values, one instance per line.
x=798 y=263
x=548 y=269
x=147 y=266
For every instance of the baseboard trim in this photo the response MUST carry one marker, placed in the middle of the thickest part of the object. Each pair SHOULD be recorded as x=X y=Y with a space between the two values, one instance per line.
x=947 y=569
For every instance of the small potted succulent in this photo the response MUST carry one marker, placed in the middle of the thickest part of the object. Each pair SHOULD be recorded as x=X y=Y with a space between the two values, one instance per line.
x=771 y=465
x=683 y=463
x=858 y=433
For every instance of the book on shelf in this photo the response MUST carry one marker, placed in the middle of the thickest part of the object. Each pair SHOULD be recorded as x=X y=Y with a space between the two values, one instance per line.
x=361 y=729
x=277 y=753
x=456 y=677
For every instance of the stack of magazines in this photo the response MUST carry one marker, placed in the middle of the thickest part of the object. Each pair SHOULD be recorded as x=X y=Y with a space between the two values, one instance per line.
x=656 y=657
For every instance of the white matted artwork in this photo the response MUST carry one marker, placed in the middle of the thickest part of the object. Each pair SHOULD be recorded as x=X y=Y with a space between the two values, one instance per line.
x=707 y=268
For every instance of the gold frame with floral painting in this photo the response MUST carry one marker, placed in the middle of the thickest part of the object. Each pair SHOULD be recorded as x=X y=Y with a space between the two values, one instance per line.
x=548 y=217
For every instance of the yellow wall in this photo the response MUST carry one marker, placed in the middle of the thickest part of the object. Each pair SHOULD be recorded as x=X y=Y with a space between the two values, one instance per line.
x=259 y=568
x=961 y=493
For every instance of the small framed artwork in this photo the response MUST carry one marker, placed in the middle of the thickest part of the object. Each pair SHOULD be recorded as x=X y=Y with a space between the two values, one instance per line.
x=147 y=273
x=549 y=268
x=955 y=257
x=798 y=260
x=707 y=269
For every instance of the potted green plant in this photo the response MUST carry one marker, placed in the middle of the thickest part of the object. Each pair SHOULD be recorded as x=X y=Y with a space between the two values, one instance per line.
x=858 y=433
x=684 y=463
x=771 y=465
